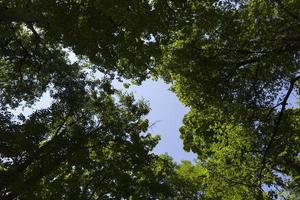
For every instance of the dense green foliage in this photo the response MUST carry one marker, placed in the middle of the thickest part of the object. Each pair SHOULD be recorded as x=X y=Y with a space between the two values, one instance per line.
x=91 y=143
x=111 y=36
x=235 y=63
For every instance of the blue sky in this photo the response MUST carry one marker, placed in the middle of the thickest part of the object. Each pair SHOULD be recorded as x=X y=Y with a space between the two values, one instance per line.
x=166 y=114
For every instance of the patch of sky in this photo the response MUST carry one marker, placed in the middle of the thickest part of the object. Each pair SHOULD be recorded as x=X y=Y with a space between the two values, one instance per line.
x=165 y=116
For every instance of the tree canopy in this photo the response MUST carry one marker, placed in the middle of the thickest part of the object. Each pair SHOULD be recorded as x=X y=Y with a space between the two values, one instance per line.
x=92 y=142
x=234 y=63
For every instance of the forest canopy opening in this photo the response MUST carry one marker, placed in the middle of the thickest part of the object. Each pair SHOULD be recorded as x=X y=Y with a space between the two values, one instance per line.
x=234 y=63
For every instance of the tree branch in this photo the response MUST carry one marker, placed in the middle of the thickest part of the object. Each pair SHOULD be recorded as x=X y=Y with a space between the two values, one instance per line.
x=35 y=33
x=277 y=125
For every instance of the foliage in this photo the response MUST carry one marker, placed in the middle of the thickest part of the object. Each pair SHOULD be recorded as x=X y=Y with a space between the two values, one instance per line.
x=113 y=37
x=236 y=64
x=91 y=143
x=86 y=145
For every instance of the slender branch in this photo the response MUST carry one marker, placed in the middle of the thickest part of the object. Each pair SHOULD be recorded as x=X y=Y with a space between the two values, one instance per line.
x=246 y=62
x=24 y=49
x=277 y=125
x=35 y=33
x=273 y=108
x=58 y=130
x=240 y=65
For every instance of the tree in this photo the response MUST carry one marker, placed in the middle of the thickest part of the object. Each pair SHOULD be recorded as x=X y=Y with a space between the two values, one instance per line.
x=236 y=64
x=91 y=143
x=86 y=145
x=113 y=37
x=187 y=181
